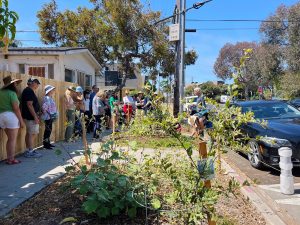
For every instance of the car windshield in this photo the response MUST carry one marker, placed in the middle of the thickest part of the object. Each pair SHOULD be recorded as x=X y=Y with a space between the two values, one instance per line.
x=272 y=110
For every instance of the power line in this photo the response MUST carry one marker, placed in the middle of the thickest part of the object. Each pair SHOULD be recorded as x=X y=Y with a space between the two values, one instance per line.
x=28 y=31
x=244 y=20
x=233 y=28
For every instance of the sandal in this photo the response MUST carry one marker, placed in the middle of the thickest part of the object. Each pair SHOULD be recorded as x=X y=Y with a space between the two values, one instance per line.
x=12 y=162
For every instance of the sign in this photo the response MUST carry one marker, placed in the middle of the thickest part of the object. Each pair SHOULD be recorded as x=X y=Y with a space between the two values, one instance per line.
x=174 y=32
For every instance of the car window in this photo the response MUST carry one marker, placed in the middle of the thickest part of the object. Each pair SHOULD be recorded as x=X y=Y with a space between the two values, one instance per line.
x=274 y=110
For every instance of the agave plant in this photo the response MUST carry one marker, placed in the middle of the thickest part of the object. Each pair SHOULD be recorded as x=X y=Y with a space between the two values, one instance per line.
x=8 y=20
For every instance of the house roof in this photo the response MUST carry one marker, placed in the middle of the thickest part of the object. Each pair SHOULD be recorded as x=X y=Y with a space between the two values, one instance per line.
x=53 y=51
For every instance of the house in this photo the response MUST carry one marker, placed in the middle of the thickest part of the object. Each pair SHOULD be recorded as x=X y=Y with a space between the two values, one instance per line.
x=112 y=79
x=72 y=64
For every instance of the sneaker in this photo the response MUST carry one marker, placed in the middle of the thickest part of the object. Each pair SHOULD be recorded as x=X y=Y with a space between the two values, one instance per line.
x=32 y=154
x=48 y=147
x=52 y=146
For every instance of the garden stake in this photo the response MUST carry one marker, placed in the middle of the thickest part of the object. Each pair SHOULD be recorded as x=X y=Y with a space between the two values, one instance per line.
x=113 y=123
x=207 y=183
x=85 y=144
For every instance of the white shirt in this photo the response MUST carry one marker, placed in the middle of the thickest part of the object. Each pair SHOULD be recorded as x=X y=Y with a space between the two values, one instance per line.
x=128 y=99
x=87 y=104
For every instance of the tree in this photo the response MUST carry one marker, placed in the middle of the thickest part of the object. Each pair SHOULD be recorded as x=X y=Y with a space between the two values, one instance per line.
x=228 y=63
x=285 y=34
x=115 y=31
x=8 y=20
x=290 y=85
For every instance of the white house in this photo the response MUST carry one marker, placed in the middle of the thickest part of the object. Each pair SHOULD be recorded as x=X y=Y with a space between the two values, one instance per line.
x=72 y=64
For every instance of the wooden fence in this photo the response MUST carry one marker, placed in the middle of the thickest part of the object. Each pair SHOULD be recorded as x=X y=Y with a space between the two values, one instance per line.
x=58 y=127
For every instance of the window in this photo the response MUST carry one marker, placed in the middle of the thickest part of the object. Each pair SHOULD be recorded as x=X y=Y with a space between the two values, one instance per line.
x=80 y=79
x=69 y=75
x=51 y=71
x=88 y=81
x=22 y=68
x=39 y=71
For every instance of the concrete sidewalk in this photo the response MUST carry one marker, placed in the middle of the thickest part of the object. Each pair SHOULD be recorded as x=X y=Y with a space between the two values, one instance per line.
x=277 y=208
x=20 y=182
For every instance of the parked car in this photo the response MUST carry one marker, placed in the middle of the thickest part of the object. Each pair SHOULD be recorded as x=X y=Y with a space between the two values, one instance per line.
x=190 y=100
x=282 y=130
x=295 y=102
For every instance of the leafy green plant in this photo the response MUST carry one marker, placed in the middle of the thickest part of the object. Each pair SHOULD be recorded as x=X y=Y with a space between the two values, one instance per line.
x=106 y=188
x=8 y=20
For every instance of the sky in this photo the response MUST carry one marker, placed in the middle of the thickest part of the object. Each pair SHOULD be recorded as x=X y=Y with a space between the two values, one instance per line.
x=210 y=37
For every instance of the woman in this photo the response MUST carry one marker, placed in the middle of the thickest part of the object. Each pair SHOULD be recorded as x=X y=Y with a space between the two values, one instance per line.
x=10 y=116
x=49 y=114
x=128 y=106
x=98 y=112
x=79 y=103
x=70 y=112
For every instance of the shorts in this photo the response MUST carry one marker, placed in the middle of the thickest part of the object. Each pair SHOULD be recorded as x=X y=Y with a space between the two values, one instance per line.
x=31 y=127
x=9 y=120
x=127 y=108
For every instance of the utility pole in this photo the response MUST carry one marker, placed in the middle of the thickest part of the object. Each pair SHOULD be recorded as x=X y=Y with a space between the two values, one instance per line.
x=182 y=53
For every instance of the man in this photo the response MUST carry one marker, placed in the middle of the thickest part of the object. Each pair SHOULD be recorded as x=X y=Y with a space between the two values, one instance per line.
x=198 y=114
x=30 y=110
x=95 y=90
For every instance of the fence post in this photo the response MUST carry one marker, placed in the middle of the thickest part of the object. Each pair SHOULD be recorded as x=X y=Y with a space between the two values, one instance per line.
x=286 y=176
x=207 y=183
x=85 y=144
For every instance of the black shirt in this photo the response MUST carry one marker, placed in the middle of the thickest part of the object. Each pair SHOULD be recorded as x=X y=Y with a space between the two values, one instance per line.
x=28 y=95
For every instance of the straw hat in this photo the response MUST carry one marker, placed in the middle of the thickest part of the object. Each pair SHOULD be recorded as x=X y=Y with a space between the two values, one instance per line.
x=8 y=81
x=48 y=88
x=71 y=88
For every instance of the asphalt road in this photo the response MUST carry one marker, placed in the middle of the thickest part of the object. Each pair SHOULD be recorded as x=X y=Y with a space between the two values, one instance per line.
x=266 y=176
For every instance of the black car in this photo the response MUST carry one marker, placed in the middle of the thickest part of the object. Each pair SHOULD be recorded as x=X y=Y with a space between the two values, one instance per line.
x=282 y=130
x=296 y=103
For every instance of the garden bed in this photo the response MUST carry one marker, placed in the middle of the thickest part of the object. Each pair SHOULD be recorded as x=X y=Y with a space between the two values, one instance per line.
x=57 y=202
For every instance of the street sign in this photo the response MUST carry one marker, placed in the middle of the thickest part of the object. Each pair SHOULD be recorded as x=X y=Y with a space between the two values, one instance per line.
x=174 y=32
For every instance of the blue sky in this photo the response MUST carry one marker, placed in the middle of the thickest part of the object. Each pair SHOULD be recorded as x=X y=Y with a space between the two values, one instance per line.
x=206 y=42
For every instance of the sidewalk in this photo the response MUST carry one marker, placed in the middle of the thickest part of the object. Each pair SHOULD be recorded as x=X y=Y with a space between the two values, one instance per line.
x=277 y=208
x=20 y=182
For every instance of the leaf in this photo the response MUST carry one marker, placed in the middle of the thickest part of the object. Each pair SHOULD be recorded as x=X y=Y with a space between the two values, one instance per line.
x=68 y=219
x=122 y=180
x=69 y=168
x=132 y=212
x=189 y=151
x=155 y=203
x=115 y=211
x=90 y=206
x=103 y=212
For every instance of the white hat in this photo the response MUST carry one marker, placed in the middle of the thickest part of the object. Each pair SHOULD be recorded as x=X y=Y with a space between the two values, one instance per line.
x=48 y=88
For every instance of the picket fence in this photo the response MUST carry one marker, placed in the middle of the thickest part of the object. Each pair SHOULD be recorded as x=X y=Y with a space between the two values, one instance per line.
x=58 y=127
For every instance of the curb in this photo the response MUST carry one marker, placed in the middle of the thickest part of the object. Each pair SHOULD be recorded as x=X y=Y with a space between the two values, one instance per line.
x=252 y=193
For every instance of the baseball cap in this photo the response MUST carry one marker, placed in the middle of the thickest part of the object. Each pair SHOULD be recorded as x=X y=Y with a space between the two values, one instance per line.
x=31 y=80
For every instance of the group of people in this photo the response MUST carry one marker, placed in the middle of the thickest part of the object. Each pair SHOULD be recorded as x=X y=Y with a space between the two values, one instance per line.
x=99 y=108
x=27 y=112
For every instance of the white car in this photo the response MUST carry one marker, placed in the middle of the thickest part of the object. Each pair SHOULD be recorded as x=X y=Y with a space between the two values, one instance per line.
x=224 y=98
x=190 y=100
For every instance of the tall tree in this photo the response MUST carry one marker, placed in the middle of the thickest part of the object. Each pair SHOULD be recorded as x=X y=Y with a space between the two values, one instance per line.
x=115 y=31
x=284 y=31
x=228 y=64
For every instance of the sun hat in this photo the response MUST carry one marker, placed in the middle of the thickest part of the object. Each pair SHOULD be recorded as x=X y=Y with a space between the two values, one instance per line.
x=71 y=88
x=79 y=89
x=48 y=88
x=8 y=81
x=32 y=79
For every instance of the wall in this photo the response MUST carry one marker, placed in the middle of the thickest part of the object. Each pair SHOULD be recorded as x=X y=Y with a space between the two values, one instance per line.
x=58 y=127
x=78 y=63
x=13 y=62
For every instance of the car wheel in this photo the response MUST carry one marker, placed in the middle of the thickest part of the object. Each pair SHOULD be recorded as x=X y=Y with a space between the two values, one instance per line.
x=254 y=155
